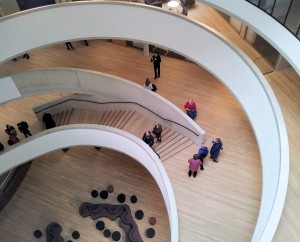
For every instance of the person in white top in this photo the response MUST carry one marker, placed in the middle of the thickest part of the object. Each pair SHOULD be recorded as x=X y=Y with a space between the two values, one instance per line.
x=148 y=85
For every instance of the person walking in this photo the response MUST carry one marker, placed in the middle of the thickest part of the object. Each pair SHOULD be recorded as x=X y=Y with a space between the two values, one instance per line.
x=215 y=149
x=23 y=128
x=148 y=138
x=194 y=165
x=157 y=130
x=202 y=153
x=156 y=64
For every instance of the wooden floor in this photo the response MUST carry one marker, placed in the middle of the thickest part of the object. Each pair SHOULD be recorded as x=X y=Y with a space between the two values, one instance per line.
x=222 y=203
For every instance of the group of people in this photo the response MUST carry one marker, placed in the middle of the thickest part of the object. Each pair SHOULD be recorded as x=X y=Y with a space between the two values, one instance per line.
x=148 y=137
x=23 y=128
x=12 y=132
x=198 y=159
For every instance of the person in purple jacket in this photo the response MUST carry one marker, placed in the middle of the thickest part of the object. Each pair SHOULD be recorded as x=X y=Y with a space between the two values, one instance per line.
x=195 y=162
x=215 y=149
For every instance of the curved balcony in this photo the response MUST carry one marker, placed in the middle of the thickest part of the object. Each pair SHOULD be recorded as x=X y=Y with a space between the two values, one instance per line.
x=98 y=24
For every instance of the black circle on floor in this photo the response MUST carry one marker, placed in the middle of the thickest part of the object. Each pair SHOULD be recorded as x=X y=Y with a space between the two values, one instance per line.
x=107 y=233
x=121 y=198
x=116 y=236
x=103 y=194
x=76 y=235
x=133 y=199
x=150 y=233
x=70 y=241
x=94 y=193
x=37 y=233
x=100 y=225
x=139 y=214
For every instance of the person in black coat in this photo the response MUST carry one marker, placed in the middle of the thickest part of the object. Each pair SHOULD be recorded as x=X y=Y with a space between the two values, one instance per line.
x=156 y=64
x=23 y=128
x=48 y=121
x=215 y=149
x=148 y=138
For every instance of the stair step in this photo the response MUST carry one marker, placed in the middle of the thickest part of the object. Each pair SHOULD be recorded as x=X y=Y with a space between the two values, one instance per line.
x=177 y=150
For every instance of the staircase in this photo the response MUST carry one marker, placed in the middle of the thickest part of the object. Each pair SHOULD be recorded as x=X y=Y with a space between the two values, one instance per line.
x=131 y=122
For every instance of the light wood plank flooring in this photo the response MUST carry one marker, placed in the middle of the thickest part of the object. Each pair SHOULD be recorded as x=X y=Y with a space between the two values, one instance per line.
x=222 y=203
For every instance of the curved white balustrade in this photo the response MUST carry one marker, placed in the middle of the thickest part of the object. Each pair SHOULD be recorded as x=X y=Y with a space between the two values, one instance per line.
x=116 y=20
x=267 y=27
x=95 y=135
x=106 y=88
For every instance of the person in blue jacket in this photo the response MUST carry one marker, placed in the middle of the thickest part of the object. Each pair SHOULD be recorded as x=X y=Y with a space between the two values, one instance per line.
x=148 y=138
x=202 y=153
x=215 y=149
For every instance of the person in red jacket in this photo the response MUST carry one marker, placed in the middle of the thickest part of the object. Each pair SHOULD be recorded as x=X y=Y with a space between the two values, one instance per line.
x=191 y=109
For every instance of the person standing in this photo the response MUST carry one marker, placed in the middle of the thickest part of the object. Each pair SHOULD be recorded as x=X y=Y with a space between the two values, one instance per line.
x=148 y=138
x=215 y=149
x=156 y=64
x=48 y=121
x=157 y=130
x=23 y=128
x=202 y=153
x=194 y=165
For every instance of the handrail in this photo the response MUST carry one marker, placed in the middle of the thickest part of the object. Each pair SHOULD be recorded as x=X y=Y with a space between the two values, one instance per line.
x=74 y=99
x=270 y=13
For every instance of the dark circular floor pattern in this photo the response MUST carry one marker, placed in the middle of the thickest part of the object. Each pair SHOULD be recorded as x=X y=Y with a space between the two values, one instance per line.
x=37 y=233
x=70 y=241
x=116 y=236
x=103 y=194
x=133 y=199
x=107 y=233
x=121 y=198
x=100 y=225
x=76 y=235
x=139 y=214
x=94 y=193
x=150 y=233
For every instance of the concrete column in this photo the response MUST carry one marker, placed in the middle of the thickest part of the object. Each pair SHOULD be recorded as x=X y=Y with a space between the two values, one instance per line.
x=146 y=49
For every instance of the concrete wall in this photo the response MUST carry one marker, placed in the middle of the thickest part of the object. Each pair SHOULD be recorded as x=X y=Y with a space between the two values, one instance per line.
x=205 y=47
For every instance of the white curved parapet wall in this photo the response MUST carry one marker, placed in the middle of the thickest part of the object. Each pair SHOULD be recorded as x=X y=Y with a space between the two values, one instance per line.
x=96 y=135
x=108 y=88
x=115 y=20
x=263 y=24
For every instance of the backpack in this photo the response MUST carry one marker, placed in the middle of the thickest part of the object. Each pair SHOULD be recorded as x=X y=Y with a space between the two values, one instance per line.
x=154 y=88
